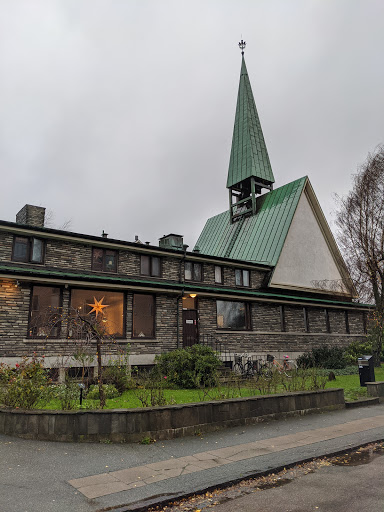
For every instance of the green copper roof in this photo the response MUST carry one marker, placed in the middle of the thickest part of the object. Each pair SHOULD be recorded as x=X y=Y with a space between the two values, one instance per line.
x=249 y=155
x=258 y=238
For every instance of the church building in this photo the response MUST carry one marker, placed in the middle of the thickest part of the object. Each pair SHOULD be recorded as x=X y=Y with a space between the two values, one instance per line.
x=265 y=276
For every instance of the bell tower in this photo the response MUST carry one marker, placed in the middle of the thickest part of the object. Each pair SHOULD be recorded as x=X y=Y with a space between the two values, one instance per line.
x=249 y=170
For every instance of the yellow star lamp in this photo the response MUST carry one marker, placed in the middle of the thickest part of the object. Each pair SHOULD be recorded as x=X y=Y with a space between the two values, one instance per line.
x=98 y=306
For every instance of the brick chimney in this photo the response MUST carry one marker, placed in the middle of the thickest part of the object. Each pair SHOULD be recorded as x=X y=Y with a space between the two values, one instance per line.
x=31 y=216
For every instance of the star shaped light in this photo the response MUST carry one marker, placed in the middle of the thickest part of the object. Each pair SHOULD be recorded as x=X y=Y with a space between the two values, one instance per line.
x=98 y=306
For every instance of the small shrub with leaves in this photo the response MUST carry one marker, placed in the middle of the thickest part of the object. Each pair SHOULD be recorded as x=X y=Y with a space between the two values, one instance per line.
x=322 y=357
x=109 y=390
x=118 y=376
x=357 y=349
x=68 y=395
x=25 y=385
x=149 y=389
x=189 y=368
x=118 y=371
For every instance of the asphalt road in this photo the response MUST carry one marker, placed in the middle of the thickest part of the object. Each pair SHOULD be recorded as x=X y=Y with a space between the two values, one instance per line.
x=328 y=489
x=35 y=476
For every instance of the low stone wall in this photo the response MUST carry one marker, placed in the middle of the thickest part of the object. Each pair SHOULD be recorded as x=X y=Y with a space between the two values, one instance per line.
x=129 y=425
x=376 y=389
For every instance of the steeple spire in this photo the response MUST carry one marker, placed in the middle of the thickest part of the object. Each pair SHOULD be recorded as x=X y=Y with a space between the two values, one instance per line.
x=249 y=166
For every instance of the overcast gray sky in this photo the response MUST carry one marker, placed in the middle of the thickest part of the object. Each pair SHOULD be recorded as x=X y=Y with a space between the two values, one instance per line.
x=118 y=114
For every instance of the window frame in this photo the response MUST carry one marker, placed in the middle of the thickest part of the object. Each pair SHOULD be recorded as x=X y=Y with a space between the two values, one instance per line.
x=124 y=333
x=153 y=315
x=242 y=271
x=151 y=272
x=248 y=317
x=60 y=307
x=104 y=269
x=221 y=269
x=194 y=264
x=29 y=250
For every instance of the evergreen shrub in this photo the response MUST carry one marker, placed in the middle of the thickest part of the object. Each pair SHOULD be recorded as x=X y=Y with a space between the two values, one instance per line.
x=189 y=368
x=357 y=349
x=109 y=390
x=323 y=357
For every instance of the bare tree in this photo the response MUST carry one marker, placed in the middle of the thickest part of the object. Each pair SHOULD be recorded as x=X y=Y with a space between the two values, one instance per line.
x=87 y=335
x=49 y=222
x=360 y=222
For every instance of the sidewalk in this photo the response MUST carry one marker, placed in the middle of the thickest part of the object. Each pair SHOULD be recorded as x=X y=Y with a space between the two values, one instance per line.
x=40 y=476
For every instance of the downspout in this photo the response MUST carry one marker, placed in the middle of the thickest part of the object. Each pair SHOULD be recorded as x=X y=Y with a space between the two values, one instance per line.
x=181 y=280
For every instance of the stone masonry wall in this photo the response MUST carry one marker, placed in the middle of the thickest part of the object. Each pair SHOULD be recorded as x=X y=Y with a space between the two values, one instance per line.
x=14 y=312
x=68 y=255
x=266 y=335
x=6 y=244
x=167 y=422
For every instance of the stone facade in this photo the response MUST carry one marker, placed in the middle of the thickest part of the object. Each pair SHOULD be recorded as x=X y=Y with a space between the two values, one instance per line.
x=282 y=325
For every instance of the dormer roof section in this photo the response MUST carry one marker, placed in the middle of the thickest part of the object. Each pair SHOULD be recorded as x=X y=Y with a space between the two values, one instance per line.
x=249 y=155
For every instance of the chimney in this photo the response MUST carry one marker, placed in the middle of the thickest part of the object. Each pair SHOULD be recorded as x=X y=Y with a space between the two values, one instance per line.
x=171 y=241
x=31 y=216
x=104 y=235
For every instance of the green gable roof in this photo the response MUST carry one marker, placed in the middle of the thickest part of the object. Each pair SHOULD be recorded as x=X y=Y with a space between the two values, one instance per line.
x=258 y=238
x=249 y=155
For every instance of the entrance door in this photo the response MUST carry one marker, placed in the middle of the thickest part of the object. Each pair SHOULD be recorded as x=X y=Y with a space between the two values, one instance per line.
x=189 y=327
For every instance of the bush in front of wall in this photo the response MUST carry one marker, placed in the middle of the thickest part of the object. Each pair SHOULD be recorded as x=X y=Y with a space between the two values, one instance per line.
x=68 y=394
x=189 y=368
x=25 y=385
x=109 y=390
x=322 y=357
x=357 y=349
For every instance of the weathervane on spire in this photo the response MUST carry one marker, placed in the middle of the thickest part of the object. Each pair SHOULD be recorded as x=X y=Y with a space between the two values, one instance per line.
x=242 y=45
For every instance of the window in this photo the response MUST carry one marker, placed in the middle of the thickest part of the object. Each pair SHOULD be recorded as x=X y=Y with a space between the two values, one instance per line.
x=28 y=250
x=233 y=315
x=45 y=312
x=104 y=260
x=347 y=329
x=193 y=271
x=327 y=321
x=150 y=266
x=143 y=316
x=365 y=330
x=219 y=275
x=242 y=277
x=110 y=312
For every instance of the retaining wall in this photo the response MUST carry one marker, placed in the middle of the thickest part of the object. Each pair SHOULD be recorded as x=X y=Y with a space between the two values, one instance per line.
x=129 y=425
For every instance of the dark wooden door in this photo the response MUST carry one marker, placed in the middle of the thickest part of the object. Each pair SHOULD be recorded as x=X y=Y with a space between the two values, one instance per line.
x=189 y=327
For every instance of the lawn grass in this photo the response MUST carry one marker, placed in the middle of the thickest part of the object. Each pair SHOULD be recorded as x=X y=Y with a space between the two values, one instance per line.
x=351 y=384
x=129 y=399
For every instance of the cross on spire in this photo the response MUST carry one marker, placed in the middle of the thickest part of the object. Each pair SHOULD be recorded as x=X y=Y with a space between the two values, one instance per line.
x=242 y=45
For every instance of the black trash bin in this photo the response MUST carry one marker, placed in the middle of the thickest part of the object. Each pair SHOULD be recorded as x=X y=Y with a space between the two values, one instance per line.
x=366 y=369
